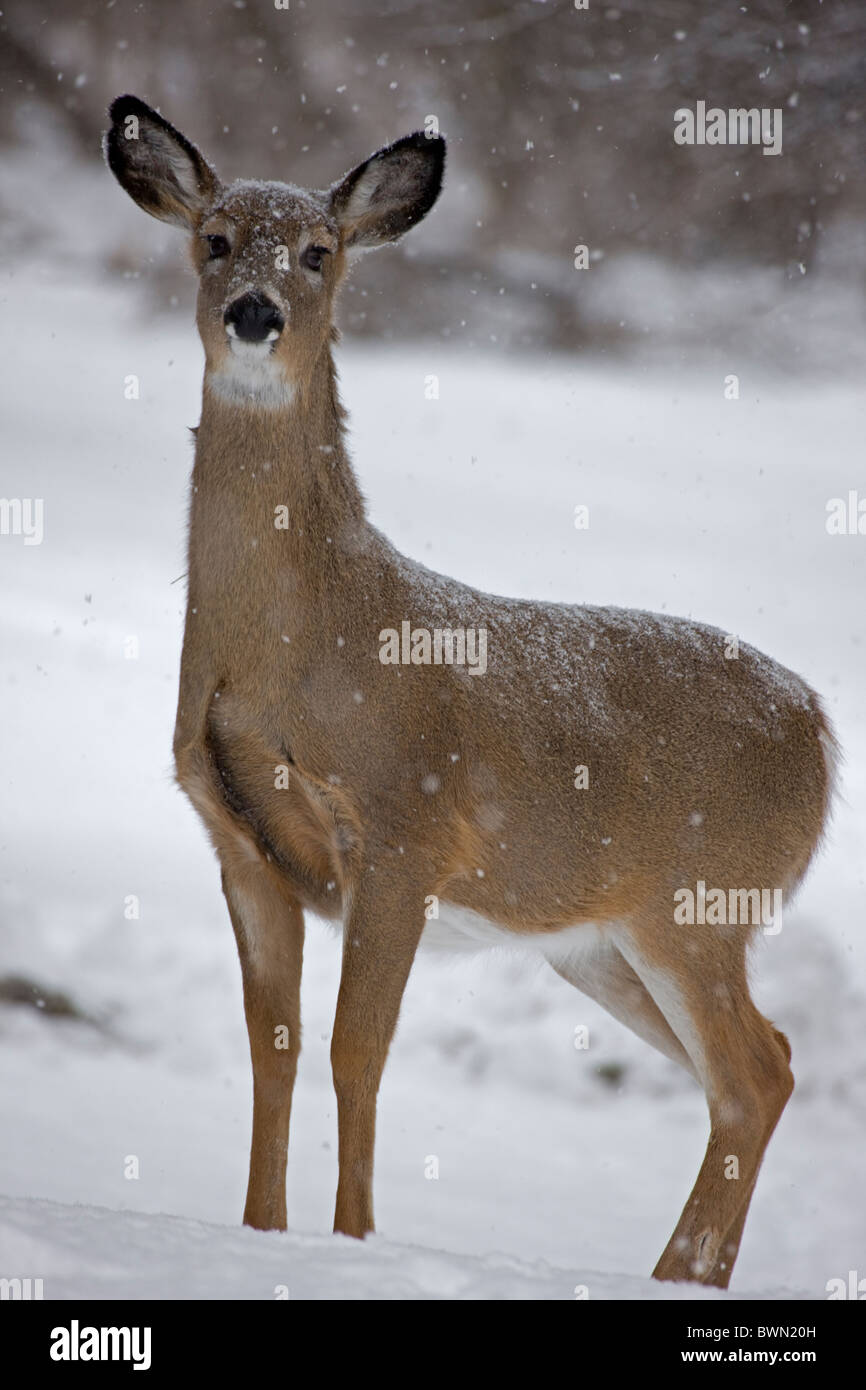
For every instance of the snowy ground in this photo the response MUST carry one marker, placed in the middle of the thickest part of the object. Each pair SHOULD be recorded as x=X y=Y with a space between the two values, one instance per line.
x=557 y=1167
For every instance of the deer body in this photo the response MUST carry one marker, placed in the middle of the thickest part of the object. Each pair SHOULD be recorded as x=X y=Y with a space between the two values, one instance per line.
x=364 y=791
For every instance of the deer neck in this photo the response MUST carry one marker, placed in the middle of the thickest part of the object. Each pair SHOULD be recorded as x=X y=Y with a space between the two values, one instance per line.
x=274 y=498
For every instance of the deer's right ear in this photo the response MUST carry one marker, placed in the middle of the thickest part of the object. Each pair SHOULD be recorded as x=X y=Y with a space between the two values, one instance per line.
x=159 y=168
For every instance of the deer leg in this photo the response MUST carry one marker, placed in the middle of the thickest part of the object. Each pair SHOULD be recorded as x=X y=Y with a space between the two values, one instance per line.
x=607 y=977
x=382 y=931
x=720 y=1274
x=747 y=1080
x=269 y=928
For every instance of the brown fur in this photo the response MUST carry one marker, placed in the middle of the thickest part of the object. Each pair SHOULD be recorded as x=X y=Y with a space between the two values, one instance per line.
x=700 y=767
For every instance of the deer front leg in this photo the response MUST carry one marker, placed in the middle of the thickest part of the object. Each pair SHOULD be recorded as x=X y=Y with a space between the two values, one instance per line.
x=382 y=931
x=269 y=929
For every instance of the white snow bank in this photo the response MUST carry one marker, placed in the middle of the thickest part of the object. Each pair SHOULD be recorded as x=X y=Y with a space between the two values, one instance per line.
x=88 y=1252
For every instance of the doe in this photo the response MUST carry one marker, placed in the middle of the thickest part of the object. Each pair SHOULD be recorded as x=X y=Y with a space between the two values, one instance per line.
x=357 y=788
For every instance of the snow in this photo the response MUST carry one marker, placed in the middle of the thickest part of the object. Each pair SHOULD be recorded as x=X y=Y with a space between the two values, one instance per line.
x=133 y=1256
x=558 y=1167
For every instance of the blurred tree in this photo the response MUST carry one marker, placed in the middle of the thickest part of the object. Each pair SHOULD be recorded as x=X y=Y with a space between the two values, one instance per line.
x=560 y=124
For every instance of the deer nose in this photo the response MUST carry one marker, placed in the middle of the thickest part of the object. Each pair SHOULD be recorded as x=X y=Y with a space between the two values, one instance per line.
x=253 y=318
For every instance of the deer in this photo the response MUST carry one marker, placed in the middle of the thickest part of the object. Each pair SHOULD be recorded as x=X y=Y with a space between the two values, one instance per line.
x=410 y=799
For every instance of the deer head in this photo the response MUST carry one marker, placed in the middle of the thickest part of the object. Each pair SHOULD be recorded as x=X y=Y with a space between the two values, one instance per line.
x=270 y=256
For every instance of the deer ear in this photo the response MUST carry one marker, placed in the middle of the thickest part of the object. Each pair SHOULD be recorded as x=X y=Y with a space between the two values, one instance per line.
x=159 y=168
x=389 y=192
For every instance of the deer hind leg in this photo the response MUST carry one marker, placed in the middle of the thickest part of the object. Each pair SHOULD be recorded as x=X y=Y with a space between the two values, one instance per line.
x=700 y=986
x=269 y=928
x=606 y=976
x=720 y=1275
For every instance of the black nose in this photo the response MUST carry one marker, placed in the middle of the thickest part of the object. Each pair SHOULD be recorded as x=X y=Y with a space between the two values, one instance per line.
x=253 y=317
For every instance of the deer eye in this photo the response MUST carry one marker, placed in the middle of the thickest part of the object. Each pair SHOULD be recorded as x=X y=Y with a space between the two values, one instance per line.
x=217 y=246
x=314 y=256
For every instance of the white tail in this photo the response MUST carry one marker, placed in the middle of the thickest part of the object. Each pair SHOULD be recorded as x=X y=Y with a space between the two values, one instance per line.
x=362 y=736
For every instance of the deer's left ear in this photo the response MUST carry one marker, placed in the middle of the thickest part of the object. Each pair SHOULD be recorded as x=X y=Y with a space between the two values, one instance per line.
x=389 y=192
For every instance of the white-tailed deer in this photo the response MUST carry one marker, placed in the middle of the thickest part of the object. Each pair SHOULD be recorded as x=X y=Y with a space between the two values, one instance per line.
x=362 y=736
